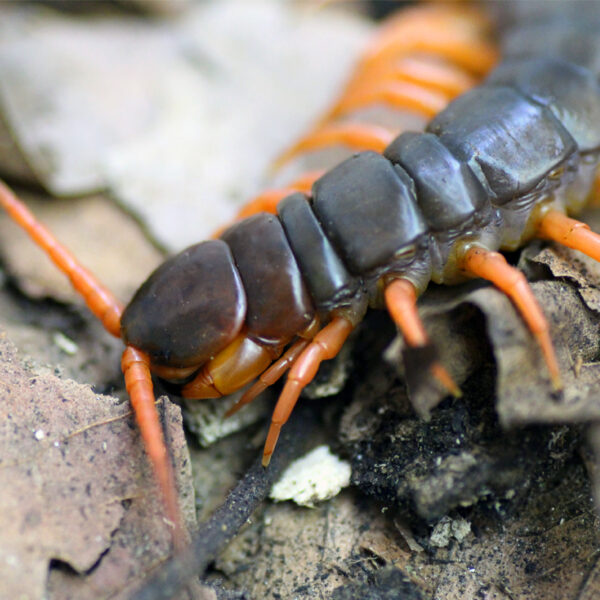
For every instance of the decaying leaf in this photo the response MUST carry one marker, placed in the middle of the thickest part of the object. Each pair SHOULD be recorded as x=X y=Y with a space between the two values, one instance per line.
x=76 y=488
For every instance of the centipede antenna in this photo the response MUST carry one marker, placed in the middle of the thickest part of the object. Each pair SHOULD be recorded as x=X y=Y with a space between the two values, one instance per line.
x=97 y=298
x=271 y=375
x=571 y=233
x=325 y=345
x=492 y=266
x=401 y=302
x=135 y=365
x=355 y=135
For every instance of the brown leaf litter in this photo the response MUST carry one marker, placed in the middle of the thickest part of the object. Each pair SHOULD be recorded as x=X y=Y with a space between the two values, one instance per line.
x=77 y=491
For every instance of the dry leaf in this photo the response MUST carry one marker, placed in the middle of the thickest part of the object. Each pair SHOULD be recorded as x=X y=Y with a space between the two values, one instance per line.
x=76 y=488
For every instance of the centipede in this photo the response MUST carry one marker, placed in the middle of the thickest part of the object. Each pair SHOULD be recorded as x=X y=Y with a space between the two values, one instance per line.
x=280 y=290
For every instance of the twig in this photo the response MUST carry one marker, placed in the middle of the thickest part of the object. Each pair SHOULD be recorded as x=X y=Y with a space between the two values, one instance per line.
x=213 y=535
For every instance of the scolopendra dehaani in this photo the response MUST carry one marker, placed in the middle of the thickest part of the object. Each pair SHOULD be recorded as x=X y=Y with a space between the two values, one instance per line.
x=109 y=311
x=414 y=231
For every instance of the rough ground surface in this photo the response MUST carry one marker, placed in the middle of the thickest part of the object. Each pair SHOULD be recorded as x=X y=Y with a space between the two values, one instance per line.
x=488 y=497
x=77 y=492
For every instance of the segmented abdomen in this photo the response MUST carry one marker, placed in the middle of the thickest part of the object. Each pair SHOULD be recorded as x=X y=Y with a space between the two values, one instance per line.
x=526 y=138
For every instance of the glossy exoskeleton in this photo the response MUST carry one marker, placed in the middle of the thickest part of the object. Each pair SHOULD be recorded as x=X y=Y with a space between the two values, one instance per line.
x=498 y=166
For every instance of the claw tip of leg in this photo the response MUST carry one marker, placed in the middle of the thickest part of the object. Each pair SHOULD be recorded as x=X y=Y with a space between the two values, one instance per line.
x=557 y=384
x=440 y=373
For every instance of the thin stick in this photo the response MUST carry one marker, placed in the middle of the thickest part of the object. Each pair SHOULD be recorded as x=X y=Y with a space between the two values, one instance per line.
x=213 y=535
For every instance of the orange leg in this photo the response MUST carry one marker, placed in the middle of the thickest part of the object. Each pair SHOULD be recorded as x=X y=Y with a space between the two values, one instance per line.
x=355 y=135
x=325 y=345
x=430 y=72
x=574 y=234
x=271 y=375
x=427 y=82
x=420 y=60
x=475 y=57
x=457 y=35
x=493 y=267
x=135 y=365
x=268 y=201
x=435 y=46
x=401 y=302
x=397 y=94
x=97 y=298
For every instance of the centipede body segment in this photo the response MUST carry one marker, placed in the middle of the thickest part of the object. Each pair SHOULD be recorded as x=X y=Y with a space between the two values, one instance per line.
x=502 y=164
